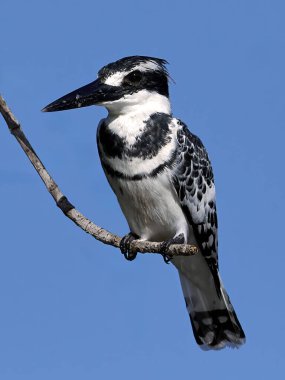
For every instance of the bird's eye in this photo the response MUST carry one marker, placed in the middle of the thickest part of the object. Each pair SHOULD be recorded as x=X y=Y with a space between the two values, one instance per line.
x=133 y=77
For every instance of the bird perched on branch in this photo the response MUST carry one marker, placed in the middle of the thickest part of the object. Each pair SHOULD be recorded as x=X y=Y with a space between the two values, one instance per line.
x=163 y=179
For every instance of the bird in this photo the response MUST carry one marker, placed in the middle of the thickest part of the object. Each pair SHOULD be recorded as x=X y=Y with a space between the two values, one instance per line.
x=162 y=177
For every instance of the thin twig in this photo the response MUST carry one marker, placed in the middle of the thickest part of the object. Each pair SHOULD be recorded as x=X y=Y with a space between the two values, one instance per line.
x=69 y=210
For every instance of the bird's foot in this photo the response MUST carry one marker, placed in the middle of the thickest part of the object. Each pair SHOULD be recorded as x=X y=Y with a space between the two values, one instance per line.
x=125 y=246
x=179 y=239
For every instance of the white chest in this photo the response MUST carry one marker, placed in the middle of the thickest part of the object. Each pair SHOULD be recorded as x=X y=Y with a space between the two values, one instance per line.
x=151 y=207
x=137 y=155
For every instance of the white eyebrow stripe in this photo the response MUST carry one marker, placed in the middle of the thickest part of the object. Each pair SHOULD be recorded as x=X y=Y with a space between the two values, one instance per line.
x=116 y=79
x=145 y=66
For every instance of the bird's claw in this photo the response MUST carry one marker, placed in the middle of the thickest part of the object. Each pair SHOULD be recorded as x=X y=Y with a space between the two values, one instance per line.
x=125 y=246
x=164 y=249
x=179 y=239
x=167 y=258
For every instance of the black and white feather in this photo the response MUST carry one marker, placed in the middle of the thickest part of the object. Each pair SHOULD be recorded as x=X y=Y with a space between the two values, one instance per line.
x=215 y=324
x=194 y=183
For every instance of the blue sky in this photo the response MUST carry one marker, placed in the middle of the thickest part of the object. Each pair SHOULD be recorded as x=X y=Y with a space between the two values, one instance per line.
x=72 y=308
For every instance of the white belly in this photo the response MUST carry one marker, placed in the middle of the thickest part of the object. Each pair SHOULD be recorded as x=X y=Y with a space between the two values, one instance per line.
x=151 y=207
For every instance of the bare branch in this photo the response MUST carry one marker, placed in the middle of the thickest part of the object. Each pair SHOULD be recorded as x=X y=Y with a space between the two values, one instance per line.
x=69 y=210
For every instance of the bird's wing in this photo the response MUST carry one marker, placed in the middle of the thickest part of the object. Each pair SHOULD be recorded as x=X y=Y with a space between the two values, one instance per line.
x=214 y=321
x=194 y=184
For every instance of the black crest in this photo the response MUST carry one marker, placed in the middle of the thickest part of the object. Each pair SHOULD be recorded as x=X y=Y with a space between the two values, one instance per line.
x=128 y=63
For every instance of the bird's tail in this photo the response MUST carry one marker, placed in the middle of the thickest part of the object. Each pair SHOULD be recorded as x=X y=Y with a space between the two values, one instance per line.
x=214 y=321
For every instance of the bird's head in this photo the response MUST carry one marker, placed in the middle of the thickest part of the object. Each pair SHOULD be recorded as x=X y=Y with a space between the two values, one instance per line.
x=127 y=82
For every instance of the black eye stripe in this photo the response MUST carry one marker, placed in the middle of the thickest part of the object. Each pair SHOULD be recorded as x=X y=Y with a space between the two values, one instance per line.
x=133 y=77
x=150 y=80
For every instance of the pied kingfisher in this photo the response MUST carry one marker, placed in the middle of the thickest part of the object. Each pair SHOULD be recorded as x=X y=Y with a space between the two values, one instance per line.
x=163 y=179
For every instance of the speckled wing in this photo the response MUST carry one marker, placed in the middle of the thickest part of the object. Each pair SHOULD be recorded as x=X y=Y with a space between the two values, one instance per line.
x=194 y=183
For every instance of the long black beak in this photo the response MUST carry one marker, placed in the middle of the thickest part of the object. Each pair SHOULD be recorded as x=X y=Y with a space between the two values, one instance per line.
x=93 y=93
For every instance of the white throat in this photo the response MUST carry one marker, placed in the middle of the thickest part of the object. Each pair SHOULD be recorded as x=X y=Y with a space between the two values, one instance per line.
x=127 y=116
x=144 y=101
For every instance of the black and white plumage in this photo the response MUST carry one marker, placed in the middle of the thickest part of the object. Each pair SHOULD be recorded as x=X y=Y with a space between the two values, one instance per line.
x=163 y=179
